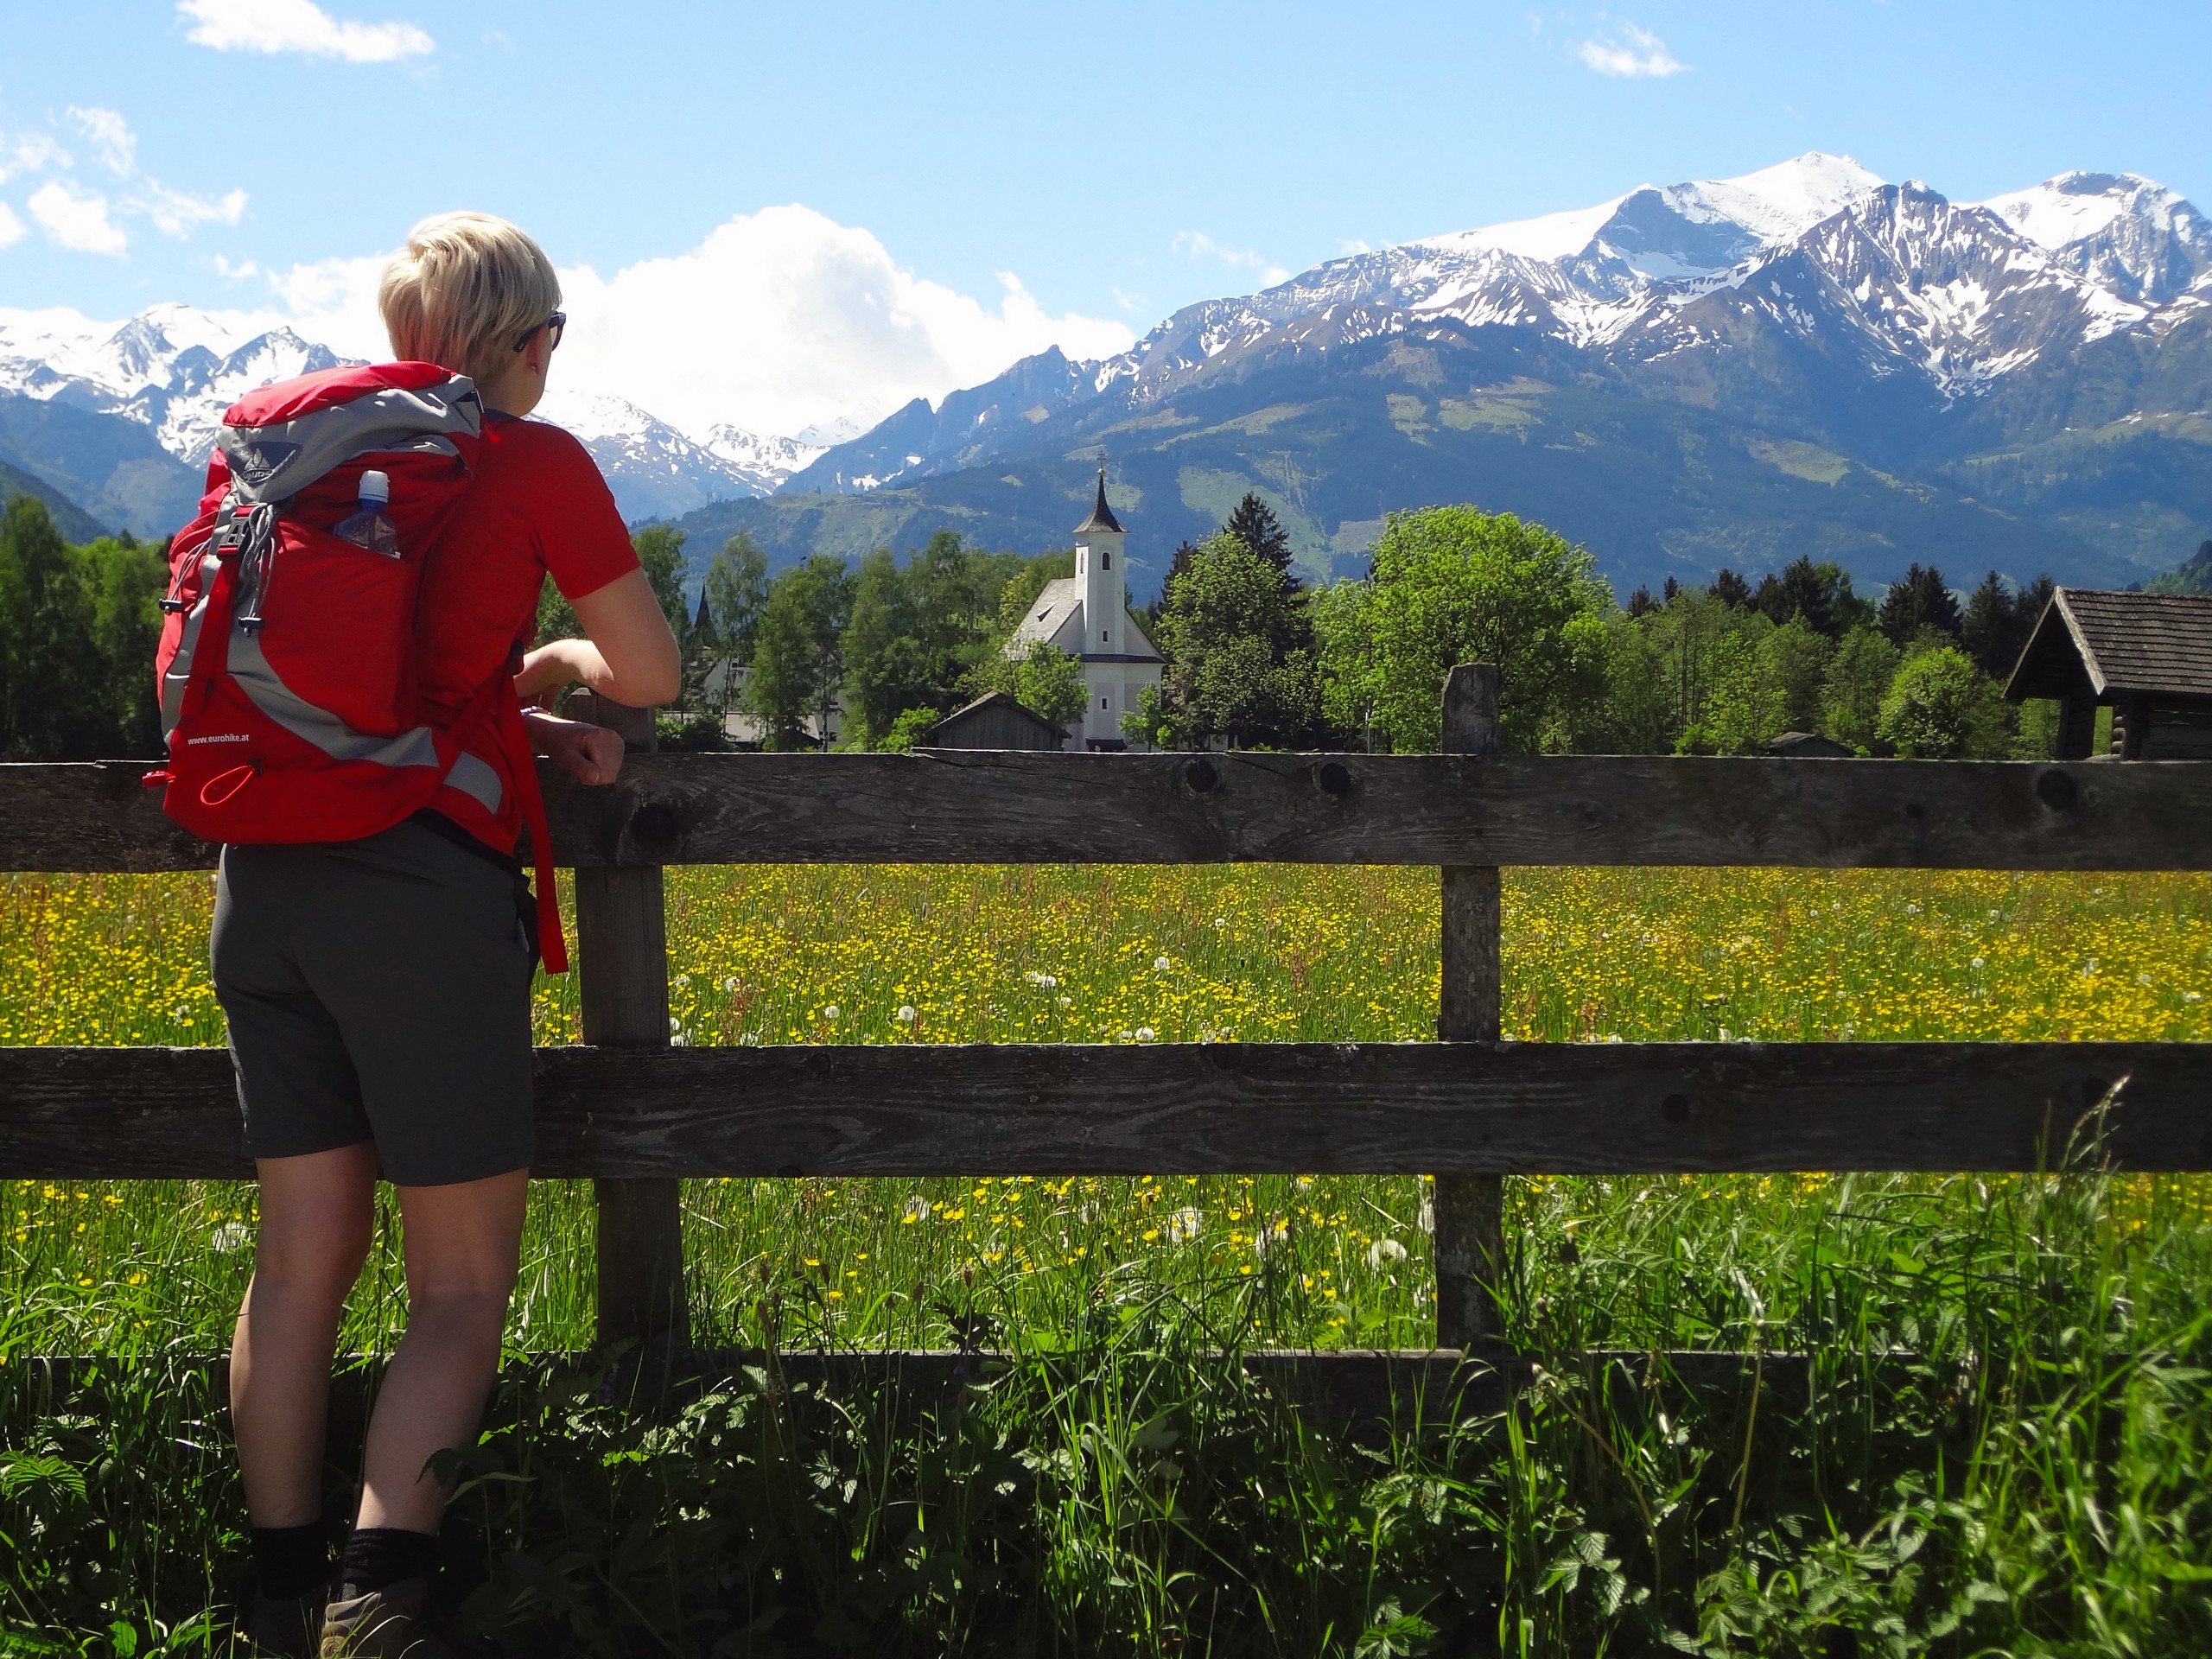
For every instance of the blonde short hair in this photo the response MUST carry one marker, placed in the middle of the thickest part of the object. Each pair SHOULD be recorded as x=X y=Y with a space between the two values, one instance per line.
x=463 y=290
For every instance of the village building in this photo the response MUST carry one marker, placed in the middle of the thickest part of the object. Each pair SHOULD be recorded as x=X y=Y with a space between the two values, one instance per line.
x=2147 y=656
x=1087 y=615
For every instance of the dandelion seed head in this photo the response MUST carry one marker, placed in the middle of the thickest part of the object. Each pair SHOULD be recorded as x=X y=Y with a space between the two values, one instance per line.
x=1384 y=1250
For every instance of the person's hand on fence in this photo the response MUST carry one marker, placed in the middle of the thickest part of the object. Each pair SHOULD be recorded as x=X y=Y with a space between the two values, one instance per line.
x=590 y=755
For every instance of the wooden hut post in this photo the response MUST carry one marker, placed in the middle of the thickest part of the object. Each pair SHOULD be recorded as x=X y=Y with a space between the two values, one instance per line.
x=622 y=984
x=1469 y=1213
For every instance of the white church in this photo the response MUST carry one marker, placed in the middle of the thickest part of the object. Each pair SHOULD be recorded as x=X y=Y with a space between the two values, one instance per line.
x=1087 y=615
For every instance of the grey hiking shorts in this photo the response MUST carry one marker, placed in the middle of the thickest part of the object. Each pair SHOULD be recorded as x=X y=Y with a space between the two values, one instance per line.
x=379 y=990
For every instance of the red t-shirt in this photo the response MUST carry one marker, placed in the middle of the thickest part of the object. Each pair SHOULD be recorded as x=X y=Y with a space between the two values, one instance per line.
x=537 y=506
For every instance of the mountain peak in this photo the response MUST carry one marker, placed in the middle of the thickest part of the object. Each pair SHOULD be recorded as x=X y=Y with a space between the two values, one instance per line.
x=2129 y=233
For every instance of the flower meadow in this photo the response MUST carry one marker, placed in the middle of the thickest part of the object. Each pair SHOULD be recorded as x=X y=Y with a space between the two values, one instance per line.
x=829 y=954
x=1992 y=1438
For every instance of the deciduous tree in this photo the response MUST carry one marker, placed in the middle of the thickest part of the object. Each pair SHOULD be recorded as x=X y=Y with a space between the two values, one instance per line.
x=1239 y=644
x=798 y=663
x=1941 y=707
x=1457 y=585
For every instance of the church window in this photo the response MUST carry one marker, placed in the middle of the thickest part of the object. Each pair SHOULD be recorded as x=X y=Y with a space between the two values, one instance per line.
x=1105 y=561
x=1105 y=636
x=1102 y=703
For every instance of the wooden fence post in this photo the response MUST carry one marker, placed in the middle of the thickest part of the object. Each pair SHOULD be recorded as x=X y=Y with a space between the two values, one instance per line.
x=1468 y=1240
x=622 y=968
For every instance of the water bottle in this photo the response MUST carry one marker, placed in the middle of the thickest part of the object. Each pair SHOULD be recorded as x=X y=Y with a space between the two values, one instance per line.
x=369 y=526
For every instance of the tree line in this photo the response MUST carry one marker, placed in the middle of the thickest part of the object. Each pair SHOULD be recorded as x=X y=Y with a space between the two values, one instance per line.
x=883 y=649
x=1258 y=658
x=1255 y=656
x=78 y=628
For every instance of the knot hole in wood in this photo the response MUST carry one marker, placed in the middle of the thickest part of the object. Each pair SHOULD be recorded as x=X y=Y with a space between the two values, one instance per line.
x=2056 y=790
x=1334 y=778
x=655 y=828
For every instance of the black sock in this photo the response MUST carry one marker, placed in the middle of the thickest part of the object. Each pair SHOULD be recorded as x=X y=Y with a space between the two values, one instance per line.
x=291 y=1560
x=376 y=1558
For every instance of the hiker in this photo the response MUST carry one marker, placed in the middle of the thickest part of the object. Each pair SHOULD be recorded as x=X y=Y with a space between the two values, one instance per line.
x=377 y=989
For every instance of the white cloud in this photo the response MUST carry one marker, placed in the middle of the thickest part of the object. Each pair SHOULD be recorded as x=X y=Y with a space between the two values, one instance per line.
x=175 y=211
x=334 y=302
x=298 y=26
x=780 y=319
x=11 y=228
x=30 y=152
x=112 y=138
x=784 y=318
x=80 y=222
x=1630 y=53
x=1197 y=245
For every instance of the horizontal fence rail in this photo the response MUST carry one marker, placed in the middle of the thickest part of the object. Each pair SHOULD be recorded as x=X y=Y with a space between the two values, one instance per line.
x=986 y=807
x=1448 y=1109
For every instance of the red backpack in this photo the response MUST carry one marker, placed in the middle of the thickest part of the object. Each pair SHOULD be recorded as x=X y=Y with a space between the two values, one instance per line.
x=287 y=657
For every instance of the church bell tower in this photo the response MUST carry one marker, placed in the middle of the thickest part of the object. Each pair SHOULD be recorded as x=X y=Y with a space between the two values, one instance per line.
x=1100 y=569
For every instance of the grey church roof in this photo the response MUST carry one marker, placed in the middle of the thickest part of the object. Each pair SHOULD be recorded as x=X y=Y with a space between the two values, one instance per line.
x=2127 y=644
x=1102 y=516
x=1051 y=610
x=1061 y=603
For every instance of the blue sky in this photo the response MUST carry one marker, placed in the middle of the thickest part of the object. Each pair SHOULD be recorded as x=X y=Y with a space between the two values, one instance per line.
x=1114 y=163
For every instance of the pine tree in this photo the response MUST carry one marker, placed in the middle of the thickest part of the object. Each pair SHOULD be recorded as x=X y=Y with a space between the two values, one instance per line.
x=1731 y=590
x=1919 y=601
x=1253 y=524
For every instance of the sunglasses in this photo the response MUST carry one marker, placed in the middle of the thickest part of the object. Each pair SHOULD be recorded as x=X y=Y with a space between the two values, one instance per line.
x=552 y=328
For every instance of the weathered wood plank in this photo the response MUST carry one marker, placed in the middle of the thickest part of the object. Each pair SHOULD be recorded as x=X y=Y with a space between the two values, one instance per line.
x=1470 y=1210
x=622 y=1000
x=990 y=807
x=1231 y=1108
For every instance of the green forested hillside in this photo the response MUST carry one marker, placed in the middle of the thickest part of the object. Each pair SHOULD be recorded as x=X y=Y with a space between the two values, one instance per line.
x=72 y=520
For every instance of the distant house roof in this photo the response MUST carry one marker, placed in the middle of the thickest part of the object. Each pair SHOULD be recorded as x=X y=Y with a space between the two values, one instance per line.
x=2126 y=644
x=1102 y=516
x=1808 y=746
x=994 y=721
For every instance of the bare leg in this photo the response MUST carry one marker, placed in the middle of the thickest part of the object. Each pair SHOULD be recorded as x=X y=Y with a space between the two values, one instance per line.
x=316 y=1216
x=464 y=1247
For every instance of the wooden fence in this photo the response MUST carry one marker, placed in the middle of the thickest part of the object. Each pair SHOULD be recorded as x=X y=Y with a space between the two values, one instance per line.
x=636 y=1115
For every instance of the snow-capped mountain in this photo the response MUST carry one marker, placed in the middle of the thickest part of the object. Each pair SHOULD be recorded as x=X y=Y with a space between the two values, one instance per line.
x=171 y=370
x=657 y=472
x=2128 y=235
x=1661 y=284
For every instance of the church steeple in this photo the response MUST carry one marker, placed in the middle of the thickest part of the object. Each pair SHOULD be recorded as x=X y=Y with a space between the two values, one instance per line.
x=1102 y=516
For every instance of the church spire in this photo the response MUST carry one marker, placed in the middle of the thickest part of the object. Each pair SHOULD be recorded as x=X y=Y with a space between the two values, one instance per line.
x=1102 y=516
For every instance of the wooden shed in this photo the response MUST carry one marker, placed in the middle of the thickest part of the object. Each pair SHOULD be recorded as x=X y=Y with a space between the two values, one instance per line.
x=995 y=721
x=2147 y=656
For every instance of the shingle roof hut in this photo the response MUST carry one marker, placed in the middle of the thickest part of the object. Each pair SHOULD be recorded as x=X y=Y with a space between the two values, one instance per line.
x=2148 y=654
x=994 y=721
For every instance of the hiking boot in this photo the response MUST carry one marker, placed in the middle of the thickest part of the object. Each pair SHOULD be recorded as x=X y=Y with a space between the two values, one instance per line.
x=286 y=1629
x=392 y=1623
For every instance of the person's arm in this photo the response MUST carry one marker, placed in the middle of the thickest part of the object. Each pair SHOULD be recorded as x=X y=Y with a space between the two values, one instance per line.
x=629 y=657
